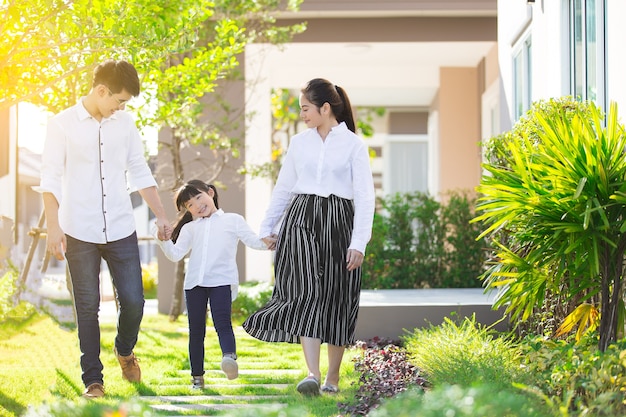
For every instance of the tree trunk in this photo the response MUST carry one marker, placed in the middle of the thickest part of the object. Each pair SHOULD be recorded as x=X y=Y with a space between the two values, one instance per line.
x=176 y=308
x=613 y=267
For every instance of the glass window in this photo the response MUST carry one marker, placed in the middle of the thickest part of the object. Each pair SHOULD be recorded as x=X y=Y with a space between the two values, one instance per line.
x=587 y=50
x=407 y=166
x=522 y=78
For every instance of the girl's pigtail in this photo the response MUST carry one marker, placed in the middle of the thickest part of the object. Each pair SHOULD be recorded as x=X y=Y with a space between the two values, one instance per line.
x=185 y=218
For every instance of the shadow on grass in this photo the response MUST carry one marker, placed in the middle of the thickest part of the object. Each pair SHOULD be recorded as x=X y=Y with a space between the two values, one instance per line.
x=11 y=405
x=65 y=386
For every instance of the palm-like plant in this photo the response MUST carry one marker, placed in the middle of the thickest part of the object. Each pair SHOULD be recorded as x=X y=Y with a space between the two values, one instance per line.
x=558 y=195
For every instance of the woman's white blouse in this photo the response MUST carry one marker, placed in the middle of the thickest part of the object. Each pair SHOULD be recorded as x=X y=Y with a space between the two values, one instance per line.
x=213 y=244
x=339 y=165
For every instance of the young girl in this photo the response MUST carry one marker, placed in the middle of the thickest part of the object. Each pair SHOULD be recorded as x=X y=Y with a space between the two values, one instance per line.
x=212 y=237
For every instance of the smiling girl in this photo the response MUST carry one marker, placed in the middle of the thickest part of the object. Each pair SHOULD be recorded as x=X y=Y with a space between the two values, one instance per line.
x=211 y=276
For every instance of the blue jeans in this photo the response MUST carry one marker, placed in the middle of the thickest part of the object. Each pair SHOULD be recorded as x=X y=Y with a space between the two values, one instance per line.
x=220 y=302
x=122 y=258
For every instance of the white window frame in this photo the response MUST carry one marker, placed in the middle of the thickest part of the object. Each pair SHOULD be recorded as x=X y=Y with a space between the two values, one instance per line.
x=599 y=61
x=522 y=75
x=413 y=138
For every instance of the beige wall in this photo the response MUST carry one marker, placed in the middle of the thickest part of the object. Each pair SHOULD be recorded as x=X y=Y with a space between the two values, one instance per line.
x=399 y=29
x=492 y=67
x=459 y=129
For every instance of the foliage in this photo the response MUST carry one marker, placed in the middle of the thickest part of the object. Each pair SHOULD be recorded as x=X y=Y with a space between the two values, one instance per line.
x=459 y=401
x=150 y=278
x=559 y=203
x=47 y=55
x=384 y=372
x=464 y=354
x=464 y=255
x=418 y=242
x=8 y=289
x=252 y=296
x=578 y=377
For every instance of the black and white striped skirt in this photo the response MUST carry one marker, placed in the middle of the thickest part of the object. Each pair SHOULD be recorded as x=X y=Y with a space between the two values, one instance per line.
x=314 y=293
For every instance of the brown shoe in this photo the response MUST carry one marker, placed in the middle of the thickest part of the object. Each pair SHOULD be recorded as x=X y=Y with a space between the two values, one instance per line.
x=95 y=390
x=130 y=367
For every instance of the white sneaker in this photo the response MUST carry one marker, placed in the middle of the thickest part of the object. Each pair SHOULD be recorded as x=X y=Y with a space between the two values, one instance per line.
x=230 y=367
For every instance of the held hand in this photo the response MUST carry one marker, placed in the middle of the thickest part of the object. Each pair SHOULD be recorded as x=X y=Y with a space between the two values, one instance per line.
x=354 y=259
x=56 y=242
x=165 y=229
x=270 y=241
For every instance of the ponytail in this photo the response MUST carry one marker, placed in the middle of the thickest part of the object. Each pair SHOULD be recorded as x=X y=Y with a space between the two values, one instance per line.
x=347 y=115
x=319 y=91
x=184 y=219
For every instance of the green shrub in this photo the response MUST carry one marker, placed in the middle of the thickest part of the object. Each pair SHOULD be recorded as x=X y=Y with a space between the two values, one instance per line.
x=553 y=201
x=464 y=256
x=150 y=278
x=418 y=242
x=466 y=354
x=8 y=289
x=579 y=377
x=457 y=401
x=251 y=297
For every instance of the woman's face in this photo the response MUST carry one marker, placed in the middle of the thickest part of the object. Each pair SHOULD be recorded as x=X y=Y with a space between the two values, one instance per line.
x=201 y=205
x=310 y=113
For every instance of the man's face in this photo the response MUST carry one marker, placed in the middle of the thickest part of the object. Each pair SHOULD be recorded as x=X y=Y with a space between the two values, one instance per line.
x=111 y=102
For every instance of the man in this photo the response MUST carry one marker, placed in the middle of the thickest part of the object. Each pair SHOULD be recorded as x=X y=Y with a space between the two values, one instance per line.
x=92 y=153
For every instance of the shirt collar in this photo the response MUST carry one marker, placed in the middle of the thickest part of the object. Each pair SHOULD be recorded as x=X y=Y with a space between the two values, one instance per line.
x=81 y=110
x=219 y=212
x=83 y=114
x=341 y=127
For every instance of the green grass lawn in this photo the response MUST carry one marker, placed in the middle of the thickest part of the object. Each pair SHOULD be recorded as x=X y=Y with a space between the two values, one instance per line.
x=40 y=363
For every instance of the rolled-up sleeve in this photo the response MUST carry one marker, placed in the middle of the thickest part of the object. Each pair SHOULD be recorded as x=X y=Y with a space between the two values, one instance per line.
x=53 y=161
x=139 y=174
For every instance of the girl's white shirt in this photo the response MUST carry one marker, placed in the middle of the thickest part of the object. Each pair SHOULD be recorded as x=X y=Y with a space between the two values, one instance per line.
x=213 y=244
x=339 y=165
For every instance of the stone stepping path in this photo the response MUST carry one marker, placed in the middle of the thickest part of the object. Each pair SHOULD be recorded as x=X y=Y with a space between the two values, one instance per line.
x=238 y=391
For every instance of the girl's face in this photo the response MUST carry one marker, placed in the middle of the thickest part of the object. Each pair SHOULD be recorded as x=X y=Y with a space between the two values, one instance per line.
x=310 y=113
x=201 y=205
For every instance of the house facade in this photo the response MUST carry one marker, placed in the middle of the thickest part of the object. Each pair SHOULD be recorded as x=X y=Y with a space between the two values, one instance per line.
x=553 y=48
x=433 y=67
x=431 y=64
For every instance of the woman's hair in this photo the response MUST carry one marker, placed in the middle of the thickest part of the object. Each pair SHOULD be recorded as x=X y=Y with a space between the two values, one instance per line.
x=319 y=91
x=185 y=193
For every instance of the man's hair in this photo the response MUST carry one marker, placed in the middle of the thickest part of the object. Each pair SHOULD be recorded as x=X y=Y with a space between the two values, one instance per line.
x=117 y=76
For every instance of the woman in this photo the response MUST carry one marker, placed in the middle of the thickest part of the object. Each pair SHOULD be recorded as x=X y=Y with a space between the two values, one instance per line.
x=326 y=193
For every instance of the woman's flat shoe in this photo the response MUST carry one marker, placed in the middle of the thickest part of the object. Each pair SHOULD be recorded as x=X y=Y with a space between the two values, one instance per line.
x=330 y=388
x=309 y=386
